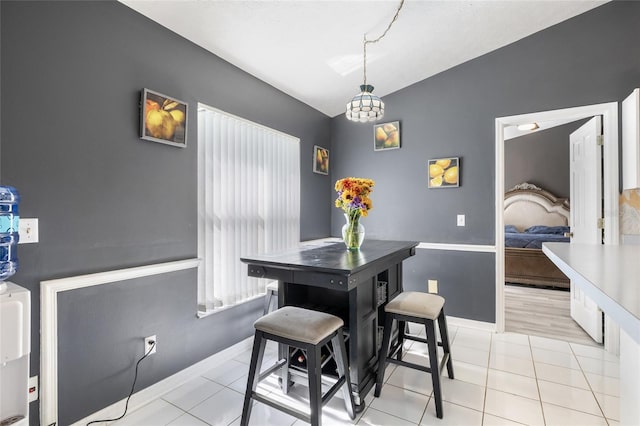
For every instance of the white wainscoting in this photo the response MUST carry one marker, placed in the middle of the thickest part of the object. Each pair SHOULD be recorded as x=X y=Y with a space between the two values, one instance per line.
x=49 y=322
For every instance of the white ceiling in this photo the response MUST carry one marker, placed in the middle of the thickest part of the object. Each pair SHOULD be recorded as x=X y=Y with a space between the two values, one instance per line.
x=313 y=49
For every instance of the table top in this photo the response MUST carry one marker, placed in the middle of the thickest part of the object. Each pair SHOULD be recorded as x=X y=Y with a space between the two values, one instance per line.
x=332 y=256
x=609 y=274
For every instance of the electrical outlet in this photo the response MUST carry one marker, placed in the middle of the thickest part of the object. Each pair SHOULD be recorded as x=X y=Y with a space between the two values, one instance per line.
x=28 y=231
x=148 y=344
x=461 y=220
x=33 y=388
x=432 y=286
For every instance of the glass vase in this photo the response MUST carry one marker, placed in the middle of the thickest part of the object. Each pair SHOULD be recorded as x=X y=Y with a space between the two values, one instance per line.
x=352 y=232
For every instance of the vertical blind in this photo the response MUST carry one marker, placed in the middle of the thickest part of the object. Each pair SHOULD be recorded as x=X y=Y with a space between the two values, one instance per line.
x=248 y=202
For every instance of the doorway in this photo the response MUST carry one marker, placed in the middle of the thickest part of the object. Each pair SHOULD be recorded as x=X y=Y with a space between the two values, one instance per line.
x=609 y=113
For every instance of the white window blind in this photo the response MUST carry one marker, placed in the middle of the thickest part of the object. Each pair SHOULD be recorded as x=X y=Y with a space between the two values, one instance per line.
x=248 y=202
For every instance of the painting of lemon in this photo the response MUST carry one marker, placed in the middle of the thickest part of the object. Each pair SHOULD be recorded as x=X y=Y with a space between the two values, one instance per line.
x=451 y=175
x=444 y=172
x=436 y=181
x=435 y=170
x=163 y=119
x=444 y=163
x=386 y=136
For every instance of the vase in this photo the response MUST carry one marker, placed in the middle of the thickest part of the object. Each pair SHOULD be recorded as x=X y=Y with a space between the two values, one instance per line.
x=353 y=232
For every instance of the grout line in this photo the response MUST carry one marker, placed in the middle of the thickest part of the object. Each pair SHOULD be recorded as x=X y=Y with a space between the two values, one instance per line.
x=535 y=374
x=486 y=380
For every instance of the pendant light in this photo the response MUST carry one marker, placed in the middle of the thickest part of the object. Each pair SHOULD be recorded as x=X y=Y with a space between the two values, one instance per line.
x=365 y=106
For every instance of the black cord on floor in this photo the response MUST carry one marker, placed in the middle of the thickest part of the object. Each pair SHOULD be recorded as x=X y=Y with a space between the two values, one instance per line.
x=135 y=378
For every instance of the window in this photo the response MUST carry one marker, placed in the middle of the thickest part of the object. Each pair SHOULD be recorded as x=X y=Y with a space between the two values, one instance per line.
x=248 y=202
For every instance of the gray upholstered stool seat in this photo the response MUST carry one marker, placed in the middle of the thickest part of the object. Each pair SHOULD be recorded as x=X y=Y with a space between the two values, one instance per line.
x=422 y=308
x=416 y=304
x=309 y=331
x=302 y=325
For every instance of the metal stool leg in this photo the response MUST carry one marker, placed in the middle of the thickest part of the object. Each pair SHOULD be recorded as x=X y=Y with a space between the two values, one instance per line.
x=257 y=355
x=314 y=371
x=340 y=354
x=284 y=371
x=432 y=344
x=268 y=300
x=444 y=336
x=402 y=329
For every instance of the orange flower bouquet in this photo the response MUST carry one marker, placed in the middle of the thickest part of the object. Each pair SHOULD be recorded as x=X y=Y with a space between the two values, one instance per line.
x=353 y=199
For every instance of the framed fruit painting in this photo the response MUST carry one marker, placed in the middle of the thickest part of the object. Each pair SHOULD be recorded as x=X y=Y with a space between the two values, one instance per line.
x=320 y=160
x=164 y=119
x=444 y=172
x=386 y=136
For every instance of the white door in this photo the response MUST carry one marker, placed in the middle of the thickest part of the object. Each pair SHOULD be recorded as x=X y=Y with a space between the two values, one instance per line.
x=586 y=209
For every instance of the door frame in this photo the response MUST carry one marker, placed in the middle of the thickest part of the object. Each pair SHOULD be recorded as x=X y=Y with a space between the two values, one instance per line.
x=611 y=193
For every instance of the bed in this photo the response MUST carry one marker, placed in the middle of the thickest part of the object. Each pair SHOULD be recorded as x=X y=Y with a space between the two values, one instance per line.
x=533 y=216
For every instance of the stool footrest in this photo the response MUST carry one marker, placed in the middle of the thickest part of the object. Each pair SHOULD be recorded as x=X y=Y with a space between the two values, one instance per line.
x=332 y=391
x=418 y=339
x=409 y=365
x=441 y=366
x=271 y=369
x=278 y=406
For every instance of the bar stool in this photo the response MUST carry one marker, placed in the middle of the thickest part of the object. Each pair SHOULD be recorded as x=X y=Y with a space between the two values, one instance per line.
x=307 y=330
x=272 y=291
x=422 y=308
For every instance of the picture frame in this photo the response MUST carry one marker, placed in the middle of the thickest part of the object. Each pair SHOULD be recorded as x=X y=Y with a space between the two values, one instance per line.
x=386 y=136
x=444 y=172
x=163 y=119
x=320 y=160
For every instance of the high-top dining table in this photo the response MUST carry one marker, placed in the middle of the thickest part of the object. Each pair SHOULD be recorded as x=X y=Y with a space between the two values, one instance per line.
x=354 y=285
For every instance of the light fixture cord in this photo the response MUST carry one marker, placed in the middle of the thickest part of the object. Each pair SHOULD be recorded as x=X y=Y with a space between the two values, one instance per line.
x=395 y=17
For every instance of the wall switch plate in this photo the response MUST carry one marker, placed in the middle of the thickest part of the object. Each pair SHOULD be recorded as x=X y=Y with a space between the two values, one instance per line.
x=432 y=286
x=461 y=220
x=28 y=231
x=148 y=344
x=33 y=388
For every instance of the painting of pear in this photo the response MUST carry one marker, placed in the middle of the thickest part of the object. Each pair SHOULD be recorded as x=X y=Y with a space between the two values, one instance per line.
x=386 y=136
x=163 y=119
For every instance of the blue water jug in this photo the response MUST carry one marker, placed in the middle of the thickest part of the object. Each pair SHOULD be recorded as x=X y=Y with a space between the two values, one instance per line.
x=9 y=218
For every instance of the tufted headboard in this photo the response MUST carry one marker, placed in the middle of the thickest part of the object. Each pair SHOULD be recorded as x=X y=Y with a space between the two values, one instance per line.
x=526 y=205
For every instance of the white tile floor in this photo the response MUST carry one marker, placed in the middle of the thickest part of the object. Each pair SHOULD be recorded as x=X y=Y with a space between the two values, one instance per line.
x=501 y=379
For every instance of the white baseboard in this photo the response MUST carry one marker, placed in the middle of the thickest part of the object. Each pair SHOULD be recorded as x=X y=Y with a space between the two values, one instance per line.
x=467 y=323
x=155 y=391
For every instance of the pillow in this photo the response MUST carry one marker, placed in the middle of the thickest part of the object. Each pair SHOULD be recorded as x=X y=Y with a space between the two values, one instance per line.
x=511 y=229
x=542 y=229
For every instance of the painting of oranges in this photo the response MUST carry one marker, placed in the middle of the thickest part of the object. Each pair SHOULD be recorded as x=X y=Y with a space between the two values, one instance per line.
x=164 y=119
x=444 y=172
x=386 y=136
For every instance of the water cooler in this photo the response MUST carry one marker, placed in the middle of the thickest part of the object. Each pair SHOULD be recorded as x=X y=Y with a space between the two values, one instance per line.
x=15 y=319
x=15 y=347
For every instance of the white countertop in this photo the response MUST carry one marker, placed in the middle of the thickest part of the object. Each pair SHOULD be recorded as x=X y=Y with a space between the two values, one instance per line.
x=608 y=274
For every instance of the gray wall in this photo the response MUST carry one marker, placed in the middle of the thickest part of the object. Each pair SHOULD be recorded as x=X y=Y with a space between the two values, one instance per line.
x=541 y=158
x=71 y=79
x=71 y=73
x=453 y=114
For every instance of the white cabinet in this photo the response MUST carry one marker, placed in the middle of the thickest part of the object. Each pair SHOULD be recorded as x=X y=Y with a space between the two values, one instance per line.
x=631 y=141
